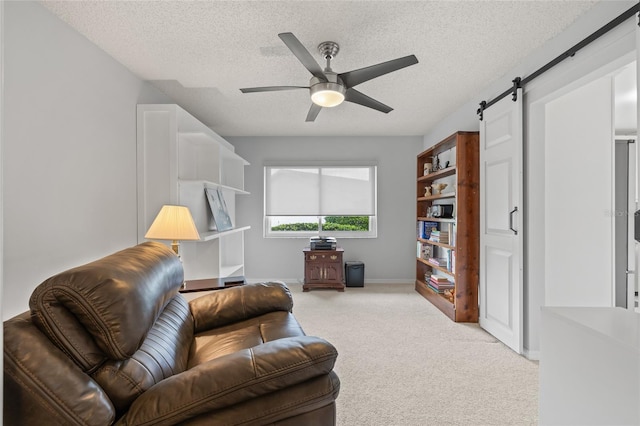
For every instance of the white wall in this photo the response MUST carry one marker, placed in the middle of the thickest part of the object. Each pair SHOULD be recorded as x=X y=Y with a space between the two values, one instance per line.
x=69 y=151
x=388 y=258
x=2 y=27
x=605 y=50
x=579 y=230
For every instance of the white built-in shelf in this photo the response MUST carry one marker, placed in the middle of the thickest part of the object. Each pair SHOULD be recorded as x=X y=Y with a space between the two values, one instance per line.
x=230 y=270
x=202 y=136
x=212 y=235
x=437 y=219
x=209 y=184
x=178 y=158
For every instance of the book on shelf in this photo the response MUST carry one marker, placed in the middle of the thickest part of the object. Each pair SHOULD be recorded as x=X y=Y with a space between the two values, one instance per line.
x=439 y=237
x=425 y=228
x=429 y=227
x=443 y=233
x=439 y=279
x=424 y=251
x=446 y=256
x=438 y=261
x=439 y=288
x=452 y=234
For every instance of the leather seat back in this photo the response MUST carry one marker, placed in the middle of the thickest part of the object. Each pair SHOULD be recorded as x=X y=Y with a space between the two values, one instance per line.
x=120 y=319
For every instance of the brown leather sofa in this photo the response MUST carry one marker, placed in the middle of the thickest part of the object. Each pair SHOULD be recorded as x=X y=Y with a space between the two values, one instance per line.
x=113 y=342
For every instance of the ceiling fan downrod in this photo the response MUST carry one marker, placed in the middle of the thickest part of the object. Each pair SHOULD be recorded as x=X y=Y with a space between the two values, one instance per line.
x=328 y=50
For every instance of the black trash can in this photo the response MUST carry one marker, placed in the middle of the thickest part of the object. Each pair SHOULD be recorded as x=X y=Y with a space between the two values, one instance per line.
x=354 y=273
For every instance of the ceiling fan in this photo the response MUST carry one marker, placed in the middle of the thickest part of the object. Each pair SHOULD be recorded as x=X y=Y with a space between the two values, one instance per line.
x=329 y=89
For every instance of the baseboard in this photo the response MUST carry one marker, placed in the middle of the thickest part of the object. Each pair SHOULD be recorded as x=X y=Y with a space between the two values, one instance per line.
x=299 y=281
x=531 y=355
x=287 y=281
x=391 y=281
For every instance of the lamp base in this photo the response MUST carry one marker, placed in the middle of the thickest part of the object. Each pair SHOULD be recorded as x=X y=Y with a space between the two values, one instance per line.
x=175 y=245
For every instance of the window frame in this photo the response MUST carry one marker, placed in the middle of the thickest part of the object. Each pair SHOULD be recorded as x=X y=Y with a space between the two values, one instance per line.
x=373 y=219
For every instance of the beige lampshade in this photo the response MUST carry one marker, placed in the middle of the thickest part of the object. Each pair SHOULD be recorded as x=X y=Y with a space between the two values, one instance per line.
x=173 y=223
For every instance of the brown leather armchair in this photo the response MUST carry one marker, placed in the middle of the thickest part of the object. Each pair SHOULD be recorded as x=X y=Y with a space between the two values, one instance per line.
x=113 y=342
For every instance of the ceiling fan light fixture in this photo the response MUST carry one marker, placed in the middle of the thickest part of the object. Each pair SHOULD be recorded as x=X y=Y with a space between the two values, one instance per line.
x=327 y=94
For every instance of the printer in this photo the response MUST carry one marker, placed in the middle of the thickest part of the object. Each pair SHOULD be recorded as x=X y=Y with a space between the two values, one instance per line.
x=322 y=243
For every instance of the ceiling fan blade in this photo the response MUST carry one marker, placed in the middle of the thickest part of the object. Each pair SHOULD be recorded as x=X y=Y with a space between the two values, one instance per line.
x=271 y=88
x=303 y=55
x=313 y=112
x=360 y=98
x=355 y=77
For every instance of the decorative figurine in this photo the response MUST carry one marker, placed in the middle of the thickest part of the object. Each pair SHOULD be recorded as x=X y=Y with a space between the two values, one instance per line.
x=438 y=187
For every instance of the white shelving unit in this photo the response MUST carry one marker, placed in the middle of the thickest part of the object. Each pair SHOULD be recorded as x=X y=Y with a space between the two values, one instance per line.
x=178 y=157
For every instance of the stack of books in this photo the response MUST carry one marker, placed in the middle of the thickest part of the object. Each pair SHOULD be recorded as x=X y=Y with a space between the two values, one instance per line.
x=439 y=236
x=439 y=261
x=425 y=228
x=439 y=284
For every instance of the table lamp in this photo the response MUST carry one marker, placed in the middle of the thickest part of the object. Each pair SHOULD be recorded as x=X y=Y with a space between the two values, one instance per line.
x=173 y=223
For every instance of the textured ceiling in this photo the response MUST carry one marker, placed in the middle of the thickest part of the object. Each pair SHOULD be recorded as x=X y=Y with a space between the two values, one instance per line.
x=201 y=53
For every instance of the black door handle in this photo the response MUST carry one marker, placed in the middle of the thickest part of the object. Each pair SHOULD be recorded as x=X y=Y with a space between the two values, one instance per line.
x=515 y=209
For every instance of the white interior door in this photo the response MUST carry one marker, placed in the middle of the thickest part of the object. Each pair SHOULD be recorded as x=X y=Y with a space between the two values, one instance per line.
x=501 y=210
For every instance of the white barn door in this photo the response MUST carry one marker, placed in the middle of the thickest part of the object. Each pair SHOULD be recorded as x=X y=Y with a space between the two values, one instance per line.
x=501 y=210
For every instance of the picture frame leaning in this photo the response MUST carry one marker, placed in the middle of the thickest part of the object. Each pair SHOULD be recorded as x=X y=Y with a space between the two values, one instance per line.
x=218 y=209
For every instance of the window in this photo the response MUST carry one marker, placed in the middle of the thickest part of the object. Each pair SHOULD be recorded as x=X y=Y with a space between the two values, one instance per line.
x=308 y=200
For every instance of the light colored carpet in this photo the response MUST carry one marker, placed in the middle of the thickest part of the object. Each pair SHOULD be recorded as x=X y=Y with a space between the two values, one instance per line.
x=401 y=362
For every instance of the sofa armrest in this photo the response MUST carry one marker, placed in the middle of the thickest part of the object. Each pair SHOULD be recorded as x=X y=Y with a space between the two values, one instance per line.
x=239 y=303
x=231 y=379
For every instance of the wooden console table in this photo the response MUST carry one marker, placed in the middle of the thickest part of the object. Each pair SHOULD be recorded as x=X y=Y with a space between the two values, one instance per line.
x=323 y=269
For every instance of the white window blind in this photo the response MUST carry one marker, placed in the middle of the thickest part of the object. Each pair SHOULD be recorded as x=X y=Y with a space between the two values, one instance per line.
x=320 y=191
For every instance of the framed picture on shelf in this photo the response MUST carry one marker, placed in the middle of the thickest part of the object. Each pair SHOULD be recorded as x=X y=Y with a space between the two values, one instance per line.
x=218 y=209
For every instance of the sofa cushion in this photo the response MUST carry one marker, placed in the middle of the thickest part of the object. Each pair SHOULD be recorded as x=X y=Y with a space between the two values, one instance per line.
x=239 y=303
x=233 y=379
x=246 y=334
x=105 y=309
x=310 y=403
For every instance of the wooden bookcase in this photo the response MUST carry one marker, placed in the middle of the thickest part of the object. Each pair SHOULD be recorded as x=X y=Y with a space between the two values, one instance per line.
x=458 y=157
